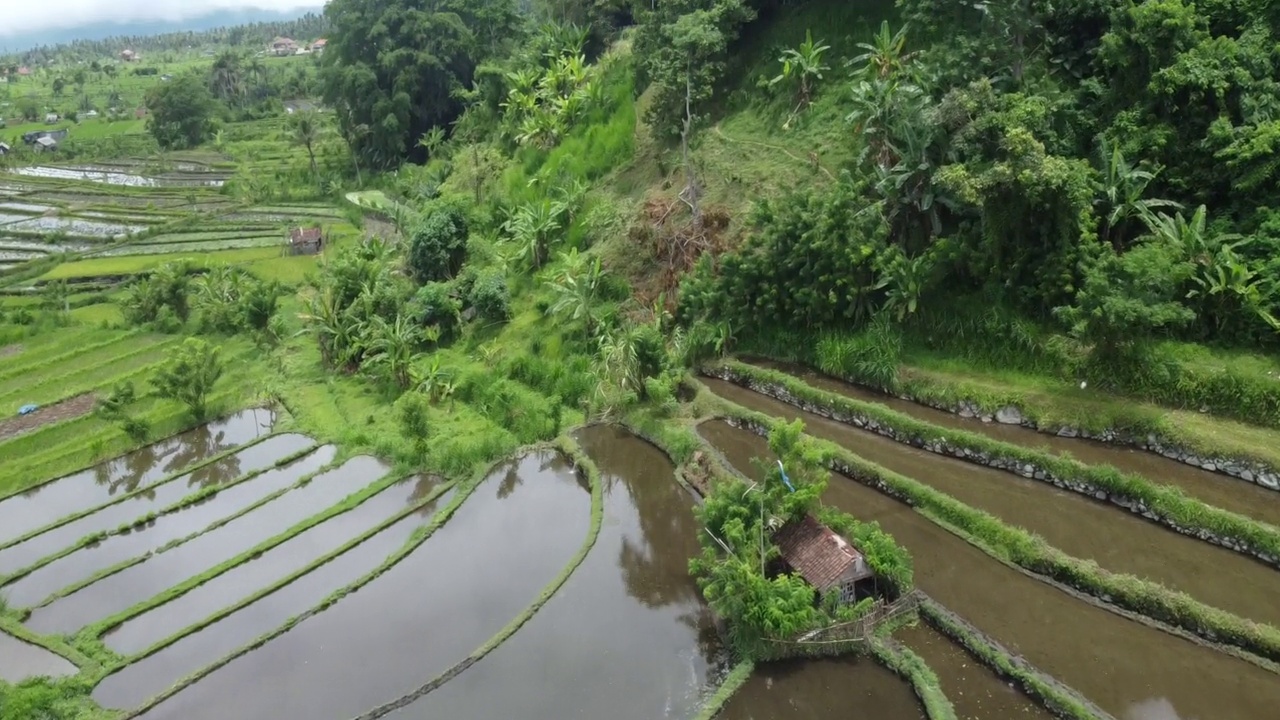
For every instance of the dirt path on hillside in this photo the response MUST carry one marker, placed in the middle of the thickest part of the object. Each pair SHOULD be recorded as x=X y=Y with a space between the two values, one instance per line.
x=8 y=350
x=65 y=410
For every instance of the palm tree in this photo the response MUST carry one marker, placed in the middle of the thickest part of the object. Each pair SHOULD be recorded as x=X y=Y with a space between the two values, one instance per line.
x=432 y=140
x=335 y=327
x=532 y=226
x=1121 y=193
x=305 y=130
x=885 y=55
x=226 y=77
x=577 y=287
x=390 y=345
x=805 y=65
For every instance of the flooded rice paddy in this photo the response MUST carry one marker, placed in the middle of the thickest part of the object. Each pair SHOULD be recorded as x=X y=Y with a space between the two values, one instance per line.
x=1131 y=670
x=154 y=534
x=239 y=582
x=975 y=690
x=1217 y=490
x=156 y=573
x=854 y=688
x=47 y=503
x=1118 y=540
x=628 y=636
x=155 y=673
x=20 y=660
x=469 y=579
x=108 y=176
x=159 y=497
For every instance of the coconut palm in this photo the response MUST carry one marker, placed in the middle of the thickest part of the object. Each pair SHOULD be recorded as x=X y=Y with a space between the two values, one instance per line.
x=226 y=77
x=305 y=130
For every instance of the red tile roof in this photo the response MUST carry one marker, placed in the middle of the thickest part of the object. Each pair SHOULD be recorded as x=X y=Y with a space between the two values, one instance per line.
x=304 y=235
x=815 y=552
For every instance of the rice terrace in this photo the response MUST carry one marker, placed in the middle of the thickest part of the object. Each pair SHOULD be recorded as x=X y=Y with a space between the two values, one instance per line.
x=688 y=359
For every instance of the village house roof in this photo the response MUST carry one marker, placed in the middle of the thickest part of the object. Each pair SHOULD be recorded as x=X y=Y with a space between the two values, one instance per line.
x=817 y=553
x=24 y=70
x=4 y=148
x=299 y=236
x=47 y=141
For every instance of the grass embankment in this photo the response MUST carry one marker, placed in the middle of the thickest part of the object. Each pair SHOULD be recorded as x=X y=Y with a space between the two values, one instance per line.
x=139 y=522
x=1050 y=405
x=732 y=682
x=281 y=582
x=912 y=668
x=1020 y=548
x=420 y=536
x=92 y=633
x=1168 y=504
x=1060 y=700
x=567 y=445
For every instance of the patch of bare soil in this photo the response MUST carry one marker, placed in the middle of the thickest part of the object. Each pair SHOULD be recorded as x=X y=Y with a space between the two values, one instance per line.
x=65 y=410
x=8 y=350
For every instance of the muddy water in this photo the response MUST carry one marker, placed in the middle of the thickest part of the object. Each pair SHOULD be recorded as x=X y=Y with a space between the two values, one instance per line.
x=1080 y=526
x=159 y=572
x=20 y=660
x=147 y=629
x=150 y=676
x=976 y=692
x=628 y=635
x=167 y=528
x=1133 y=671
x=1218 y=490
x=853 y=688
x=89 y=488
x=477 y=572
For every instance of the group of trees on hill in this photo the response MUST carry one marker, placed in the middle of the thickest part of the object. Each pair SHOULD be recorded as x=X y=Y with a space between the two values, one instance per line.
x=1106 y=165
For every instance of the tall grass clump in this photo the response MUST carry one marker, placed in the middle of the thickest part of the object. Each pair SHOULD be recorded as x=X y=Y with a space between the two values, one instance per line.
x=872 y=356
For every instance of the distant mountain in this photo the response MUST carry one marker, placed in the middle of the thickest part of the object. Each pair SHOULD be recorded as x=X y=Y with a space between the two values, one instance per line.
x=139 y=28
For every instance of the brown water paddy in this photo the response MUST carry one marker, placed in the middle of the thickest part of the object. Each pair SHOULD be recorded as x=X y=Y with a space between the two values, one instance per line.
x=853 y=688
x=1132 y=670
x=154 y=534
x=628 y=636
x=510 y=537
x=1219 y=490
x=81 y=491
x=1118 y=540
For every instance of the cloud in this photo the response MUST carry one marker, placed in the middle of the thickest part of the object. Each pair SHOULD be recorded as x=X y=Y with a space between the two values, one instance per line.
x=19 y=17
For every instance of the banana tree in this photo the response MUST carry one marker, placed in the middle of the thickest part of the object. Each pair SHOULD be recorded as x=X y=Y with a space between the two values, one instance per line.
x=804 y=66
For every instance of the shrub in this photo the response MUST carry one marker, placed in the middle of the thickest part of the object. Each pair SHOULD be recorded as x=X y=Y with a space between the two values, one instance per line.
x=435 y=304
x=411 y=413
x=438 y=244
x=490 y=296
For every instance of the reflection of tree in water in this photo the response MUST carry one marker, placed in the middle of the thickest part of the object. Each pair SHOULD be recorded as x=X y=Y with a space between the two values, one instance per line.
x=511 y=479
x=194 y=446
x=123 y=474
x=423 y=486
x=222 y=470
x=654 y=562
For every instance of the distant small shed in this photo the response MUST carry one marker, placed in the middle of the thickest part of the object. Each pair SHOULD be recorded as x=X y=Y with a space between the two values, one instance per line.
x=306 y=241
x=5 y=149
x=824 y=559
x=46 y=144
x=51 y=119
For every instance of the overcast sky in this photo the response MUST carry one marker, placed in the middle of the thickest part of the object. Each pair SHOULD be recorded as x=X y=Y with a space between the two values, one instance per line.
x=18 y=17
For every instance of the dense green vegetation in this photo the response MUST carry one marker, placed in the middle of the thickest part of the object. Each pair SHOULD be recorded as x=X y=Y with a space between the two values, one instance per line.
x=536 y=213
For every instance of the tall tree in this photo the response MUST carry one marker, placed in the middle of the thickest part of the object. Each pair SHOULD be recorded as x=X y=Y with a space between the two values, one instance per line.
x=396 y=66
x=305 y=130
x=181 y=112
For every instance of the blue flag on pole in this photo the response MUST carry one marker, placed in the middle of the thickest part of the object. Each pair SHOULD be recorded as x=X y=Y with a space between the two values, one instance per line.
x=785 y=479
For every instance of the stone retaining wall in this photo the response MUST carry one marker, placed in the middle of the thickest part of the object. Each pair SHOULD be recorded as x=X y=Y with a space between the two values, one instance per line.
x=1026 y=470
x=1248 y=470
